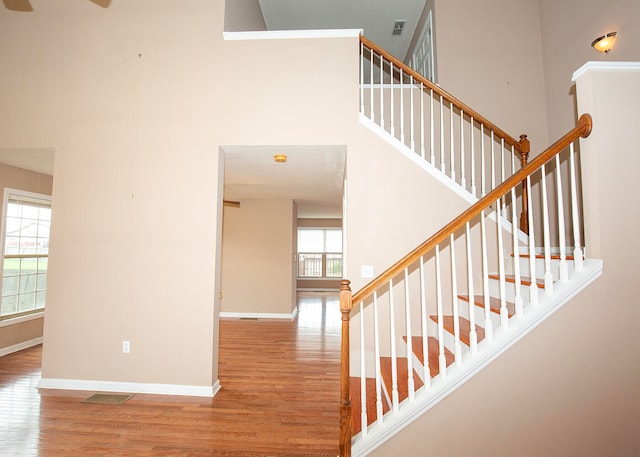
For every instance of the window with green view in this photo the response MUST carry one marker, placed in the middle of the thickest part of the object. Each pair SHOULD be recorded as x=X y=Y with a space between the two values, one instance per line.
x=25 y=235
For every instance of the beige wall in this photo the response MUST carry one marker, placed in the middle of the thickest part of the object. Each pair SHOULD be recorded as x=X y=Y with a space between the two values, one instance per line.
x=258 y=257
x=567 y=30
x=569 y=387
x=243 y=15
x=127 y=98
x=489 y=56
x=17 y=178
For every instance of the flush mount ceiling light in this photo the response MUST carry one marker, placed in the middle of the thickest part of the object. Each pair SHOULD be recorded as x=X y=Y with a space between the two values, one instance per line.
x=605 y=42
x=280 y=158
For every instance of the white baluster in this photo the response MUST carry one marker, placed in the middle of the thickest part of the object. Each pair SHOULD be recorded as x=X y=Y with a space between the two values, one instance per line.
x=463 y=180
x=473 y=334
x=452 y=166
x=442 y=359
x=363 y=376
x=407 y=308
x=577 y=244
x=533 y=287
x=456 y=303
x=516 y=256
x=548 y=277
x=473 y=160
x=504 y=313
x=402 y=106
x=488 y=325
x=362 y=78
x=563 y=267
x=382 y=91
x=395 y=399
x=412 y=118
x=432 y=154
x=393 y=102
x=422 y=148
x=502 y=160
x=483 y=176
x=372 y=112
x=442 y=162
x=503 y=210
x=425 y=339
x=493 y=162
x=376 y=338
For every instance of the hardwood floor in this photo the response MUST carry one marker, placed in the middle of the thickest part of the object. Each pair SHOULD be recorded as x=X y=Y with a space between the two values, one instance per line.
x=279 y=397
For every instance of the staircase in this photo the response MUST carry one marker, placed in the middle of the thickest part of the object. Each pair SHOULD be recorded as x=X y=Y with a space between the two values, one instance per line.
x=464 y=296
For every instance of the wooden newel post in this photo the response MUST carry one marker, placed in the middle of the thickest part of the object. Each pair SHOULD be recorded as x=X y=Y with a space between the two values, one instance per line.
x=525 y=148
x=345 y=376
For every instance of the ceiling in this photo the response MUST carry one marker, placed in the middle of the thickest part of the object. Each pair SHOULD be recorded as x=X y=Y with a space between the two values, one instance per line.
x=313 y=176
x=39 y=160
x=376 y=19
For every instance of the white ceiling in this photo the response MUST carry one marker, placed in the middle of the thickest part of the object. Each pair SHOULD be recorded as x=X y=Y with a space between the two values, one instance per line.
x=375 y=18
x=313 y=176
x=39 y=160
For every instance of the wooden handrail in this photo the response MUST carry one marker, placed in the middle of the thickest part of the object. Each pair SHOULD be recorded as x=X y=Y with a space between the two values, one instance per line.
x=508 y=139
x=583 y=129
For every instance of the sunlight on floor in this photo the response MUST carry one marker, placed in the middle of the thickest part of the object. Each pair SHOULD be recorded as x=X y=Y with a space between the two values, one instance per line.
x=319 y=310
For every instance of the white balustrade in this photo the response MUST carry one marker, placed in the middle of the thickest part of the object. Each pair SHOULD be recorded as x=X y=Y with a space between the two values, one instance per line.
x=434 y=298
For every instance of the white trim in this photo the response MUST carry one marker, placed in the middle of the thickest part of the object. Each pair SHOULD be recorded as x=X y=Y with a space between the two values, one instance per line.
x=605 y=66
x=20 y=319
x=130 y=387
x=415 y=158
x=20 y=346
x=317 y=289
x=435 y=172
x=291 y=34
x=232 y=315
x=456 y=376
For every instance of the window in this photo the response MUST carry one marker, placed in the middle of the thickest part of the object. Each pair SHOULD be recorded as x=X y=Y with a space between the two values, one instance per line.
x=25 y=245
x=319 y=253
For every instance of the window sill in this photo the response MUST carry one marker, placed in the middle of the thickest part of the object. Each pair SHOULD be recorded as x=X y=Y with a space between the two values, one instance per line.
x=20 y=319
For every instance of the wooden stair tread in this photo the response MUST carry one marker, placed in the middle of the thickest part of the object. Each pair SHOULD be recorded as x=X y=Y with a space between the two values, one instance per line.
x=403 y=385
x=494 y=304
x=524 y=280
x=433 y=348
x=465 y=328
x=356 y=403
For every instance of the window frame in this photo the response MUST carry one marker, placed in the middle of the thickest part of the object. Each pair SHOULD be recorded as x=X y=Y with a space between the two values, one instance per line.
x=324 y=262
x=37 y=198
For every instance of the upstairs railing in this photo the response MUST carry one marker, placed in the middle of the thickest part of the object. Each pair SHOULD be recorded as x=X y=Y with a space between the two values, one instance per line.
x=432 y=312
x=436 y=126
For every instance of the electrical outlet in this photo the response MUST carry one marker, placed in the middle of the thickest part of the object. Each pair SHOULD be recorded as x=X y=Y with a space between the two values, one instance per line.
x=126 y=347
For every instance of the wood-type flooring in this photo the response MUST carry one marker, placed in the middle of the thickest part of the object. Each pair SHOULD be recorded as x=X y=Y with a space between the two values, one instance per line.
x=279 y=397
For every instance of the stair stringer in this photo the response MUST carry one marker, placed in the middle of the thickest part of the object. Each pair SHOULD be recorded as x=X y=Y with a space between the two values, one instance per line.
x=457 y=375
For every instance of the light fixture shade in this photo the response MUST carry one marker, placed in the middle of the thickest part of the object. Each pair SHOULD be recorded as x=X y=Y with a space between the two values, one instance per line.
x=605 y=42
x=280 y=158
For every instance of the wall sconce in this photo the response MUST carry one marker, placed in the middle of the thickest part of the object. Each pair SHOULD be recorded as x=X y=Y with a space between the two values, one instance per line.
x=280 y=158
x=605 y=42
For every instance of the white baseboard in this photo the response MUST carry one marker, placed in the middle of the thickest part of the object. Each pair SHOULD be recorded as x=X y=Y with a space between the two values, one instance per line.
x=20 y=346
x=129 y=387
x=230 y=315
